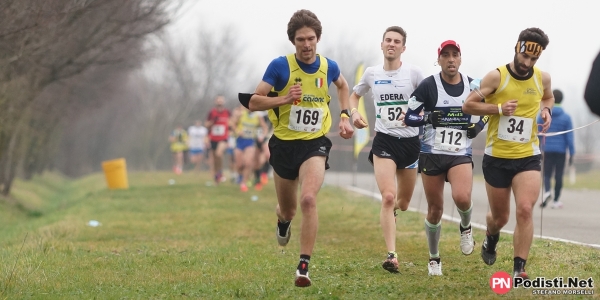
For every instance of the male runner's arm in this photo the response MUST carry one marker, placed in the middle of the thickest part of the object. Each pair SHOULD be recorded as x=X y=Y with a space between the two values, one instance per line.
x=475 y=128
x=489 y=84
x=346 y=129
x=358 y=120
x=423 y=99
x=260 y=100
x=547 y=101
x=361 y=88
x=416 y=106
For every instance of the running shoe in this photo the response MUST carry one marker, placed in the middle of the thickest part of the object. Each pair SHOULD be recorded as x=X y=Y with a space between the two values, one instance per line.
x=264 y=178
x=488 y=255
x=302 y=280
x=391 y=262
x=467 y=244
x=545 y=199
x=557 y=204
x=434 y=268
x=520 y=274
x=283 y=239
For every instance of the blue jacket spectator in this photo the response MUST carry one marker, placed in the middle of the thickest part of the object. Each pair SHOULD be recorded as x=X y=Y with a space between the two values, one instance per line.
x=554 y=150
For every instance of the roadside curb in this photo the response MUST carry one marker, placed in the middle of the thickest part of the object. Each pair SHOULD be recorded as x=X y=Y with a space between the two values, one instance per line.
x=446 y=217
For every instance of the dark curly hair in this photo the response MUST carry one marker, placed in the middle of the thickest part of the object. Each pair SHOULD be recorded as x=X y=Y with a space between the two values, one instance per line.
x=303 y=18
x=535 y=34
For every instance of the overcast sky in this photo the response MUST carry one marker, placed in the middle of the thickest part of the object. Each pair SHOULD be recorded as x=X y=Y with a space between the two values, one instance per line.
x=486 y=31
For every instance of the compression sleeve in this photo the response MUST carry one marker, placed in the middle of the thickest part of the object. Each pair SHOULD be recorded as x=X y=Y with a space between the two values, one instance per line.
x=423 y=98
x=483 y=120
x=413 y=117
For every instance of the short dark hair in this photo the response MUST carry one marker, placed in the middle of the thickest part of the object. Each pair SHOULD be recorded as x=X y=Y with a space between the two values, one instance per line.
x=397 y=29
x=558 y=96
x=303 y=18
x=535 y=34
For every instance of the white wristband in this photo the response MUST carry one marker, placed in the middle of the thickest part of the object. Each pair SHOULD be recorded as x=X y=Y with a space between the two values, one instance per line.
x=499 y=108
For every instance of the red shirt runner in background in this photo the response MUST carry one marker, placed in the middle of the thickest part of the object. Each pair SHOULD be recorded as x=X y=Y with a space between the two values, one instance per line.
x=219 y=131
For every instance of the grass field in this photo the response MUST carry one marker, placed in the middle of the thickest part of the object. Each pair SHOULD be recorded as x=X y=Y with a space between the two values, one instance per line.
x=193 y=241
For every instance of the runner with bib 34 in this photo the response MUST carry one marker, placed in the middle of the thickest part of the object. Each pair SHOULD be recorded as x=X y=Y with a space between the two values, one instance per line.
x=514 y=95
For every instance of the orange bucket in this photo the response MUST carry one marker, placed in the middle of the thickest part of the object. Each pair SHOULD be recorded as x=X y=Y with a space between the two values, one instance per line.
x=115 y=172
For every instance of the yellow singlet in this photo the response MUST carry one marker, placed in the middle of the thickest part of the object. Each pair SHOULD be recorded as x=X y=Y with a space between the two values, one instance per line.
x=180 y=143
x=308 y=117
x=515 y=136
x=248 y=125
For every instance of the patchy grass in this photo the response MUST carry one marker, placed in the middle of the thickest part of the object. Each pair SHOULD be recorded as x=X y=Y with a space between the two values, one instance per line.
x=190 y=240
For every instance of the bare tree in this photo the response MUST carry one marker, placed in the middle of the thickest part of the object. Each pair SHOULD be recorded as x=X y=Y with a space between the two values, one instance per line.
x=45 y=42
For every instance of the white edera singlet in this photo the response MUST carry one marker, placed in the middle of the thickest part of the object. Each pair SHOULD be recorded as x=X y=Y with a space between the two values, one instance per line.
x=391 y=91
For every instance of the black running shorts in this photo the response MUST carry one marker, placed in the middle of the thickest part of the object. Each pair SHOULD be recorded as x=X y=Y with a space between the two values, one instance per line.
x=436 y=164
x=214 y=145
x=499 y=172
x=403 y=151
x=287 y=156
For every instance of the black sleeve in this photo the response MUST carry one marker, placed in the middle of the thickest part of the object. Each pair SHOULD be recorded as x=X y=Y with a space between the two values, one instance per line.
x=592 y=89
x=422 y=94
x=244 y=99
x=426 y=92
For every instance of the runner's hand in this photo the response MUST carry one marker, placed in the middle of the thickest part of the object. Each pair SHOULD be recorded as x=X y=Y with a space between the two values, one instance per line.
x=294 y=94
x=473 y=130
x=358 y=121
x=435 y=118
x=509 y=107
x=346 y=129
x=547 y=118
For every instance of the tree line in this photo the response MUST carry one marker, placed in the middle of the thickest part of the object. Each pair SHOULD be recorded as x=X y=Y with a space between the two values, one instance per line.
x=59 y=61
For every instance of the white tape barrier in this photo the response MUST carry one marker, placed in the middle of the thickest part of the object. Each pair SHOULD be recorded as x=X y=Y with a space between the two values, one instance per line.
x=566 y=131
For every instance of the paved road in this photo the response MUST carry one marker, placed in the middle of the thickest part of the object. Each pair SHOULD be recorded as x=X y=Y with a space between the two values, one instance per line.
x=578 y=221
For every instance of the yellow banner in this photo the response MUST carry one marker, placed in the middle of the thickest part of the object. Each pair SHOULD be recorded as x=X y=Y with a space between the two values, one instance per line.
x=361 y=136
